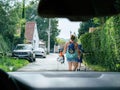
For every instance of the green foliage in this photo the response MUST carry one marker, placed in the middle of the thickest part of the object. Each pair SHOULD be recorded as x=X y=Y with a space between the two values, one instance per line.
x=10 y=16
x=102 y=46
x=11 y=19
x=12 y=64
x=60 y=41
x=3 y=45
x=43 y=25
x=84 y=26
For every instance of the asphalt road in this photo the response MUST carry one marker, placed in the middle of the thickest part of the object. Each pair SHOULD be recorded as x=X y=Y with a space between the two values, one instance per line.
x=49 y=63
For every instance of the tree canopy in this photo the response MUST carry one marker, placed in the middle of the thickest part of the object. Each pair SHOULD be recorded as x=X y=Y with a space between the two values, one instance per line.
x=14 y=15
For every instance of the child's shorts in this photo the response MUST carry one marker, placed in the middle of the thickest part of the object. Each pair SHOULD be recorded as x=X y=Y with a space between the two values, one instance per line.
x=79 y=60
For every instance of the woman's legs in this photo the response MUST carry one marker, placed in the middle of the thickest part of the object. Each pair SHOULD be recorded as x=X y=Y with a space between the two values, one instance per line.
x=75 y=65
x=70 y=66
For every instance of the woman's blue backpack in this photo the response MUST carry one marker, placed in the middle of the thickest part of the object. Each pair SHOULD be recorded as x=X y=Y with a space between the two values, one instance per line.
x=71 y=48
x=71 y=51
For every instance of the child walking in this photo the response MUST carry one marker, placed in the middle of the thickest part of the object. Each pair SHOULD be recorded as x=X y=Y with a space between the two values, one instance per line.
x=61 y=57
x=80 y=58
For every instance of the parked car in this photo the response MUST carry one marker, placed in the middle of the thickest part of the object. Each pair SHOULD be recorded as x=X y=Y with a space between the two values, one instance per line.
x=40 y=52
x=24 y=51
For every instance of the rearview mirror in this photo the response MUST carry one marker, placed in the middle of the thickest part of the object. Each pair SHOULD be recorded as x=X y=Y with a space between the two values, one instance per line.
x=78 y=10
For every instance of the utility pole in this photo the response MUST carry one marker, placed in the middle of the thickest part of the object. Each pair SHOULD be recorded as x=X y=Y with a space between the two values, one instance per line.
x=49 y=27
x=23 y=11
x=23 y=24
x=70 y=33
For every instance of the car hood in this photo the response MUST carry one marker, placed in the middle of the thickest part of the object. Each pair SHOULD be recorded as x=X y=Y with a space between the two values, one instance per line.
x=22 y=51
x=39 y=50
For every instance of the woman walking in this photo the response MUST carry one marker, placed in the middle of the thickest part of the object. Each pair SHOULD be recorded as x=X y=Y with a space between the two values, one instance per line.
x=72 y=53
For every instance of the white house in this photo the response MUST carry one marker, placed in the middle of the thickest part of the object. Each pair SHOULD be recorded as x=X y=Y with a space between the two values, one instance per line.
x=31 y=34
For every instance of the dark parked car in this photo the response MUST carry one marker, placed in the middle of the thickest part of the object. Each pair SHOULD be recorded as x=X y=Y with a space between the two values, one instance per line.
x=24 y=51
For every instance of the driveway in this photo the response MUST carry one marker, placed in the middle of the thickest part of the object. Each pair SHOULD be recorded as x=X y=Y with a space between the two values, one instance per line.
x=47 y=64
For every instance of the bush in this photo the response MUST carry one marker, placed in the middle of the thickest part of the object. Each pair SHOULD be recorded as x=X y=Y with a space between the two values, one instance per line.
x=102 y=46
x=12 y=64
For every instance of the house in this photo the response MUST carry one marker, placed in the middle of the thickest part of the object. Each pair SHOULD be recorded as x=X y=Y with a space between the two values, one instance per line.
x=91 y=29
x=31 y=34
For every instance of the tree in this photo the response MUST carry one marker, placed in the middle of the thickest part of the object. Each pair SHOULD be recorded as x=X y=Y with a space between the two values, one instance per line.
x=9 y=20
x=60 y=41
x=42 y=23
x=84 y=27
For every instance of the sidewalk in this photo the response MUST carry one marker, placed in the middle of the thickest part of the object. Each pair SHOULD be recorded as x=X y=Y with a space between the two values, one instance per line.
x=64 y=66
x=85 y=68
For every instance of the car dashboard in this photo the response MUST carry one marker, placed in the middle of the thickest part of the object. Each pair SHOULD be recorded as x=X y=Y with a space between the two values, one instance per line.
x=52 y=80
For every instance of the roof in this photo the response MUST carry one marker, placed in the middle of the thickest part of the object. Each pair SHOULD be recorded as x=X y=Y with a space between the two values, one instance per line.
x=29 y=30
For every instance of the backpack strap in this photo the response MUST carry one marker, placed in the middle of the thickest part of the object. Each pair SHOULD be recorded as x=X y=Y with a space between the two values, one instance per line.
x=69 y=43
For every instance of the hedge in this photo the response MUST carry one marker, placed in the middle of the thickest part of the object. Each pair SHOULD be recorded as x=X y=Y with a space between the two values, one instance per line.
x=102 y=46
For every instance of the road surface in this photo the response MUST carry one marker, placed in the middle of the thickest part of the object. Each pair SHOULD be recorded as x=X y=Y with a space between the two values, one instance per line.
x=49 y=63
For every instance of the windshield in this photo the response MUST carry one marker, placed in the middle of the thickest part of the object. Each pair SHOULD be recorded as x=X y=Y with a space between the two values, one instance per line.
x=24 y=47
x=96 y=42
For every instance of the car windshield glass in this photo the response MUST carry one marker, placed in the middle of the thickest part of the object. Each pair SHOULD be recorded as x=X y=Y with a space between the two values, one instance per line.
x=91 y=45
x=23 y=48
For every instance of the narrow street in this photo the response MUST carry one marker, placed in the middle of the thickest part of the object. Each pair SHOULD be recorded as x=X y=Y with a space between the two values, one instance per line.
x=49 y=63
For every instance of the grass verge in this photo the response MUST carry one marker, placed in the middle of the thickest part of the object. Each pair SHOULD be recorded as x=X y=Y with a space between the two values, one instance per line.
x=10 y=64
x=97 y=68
